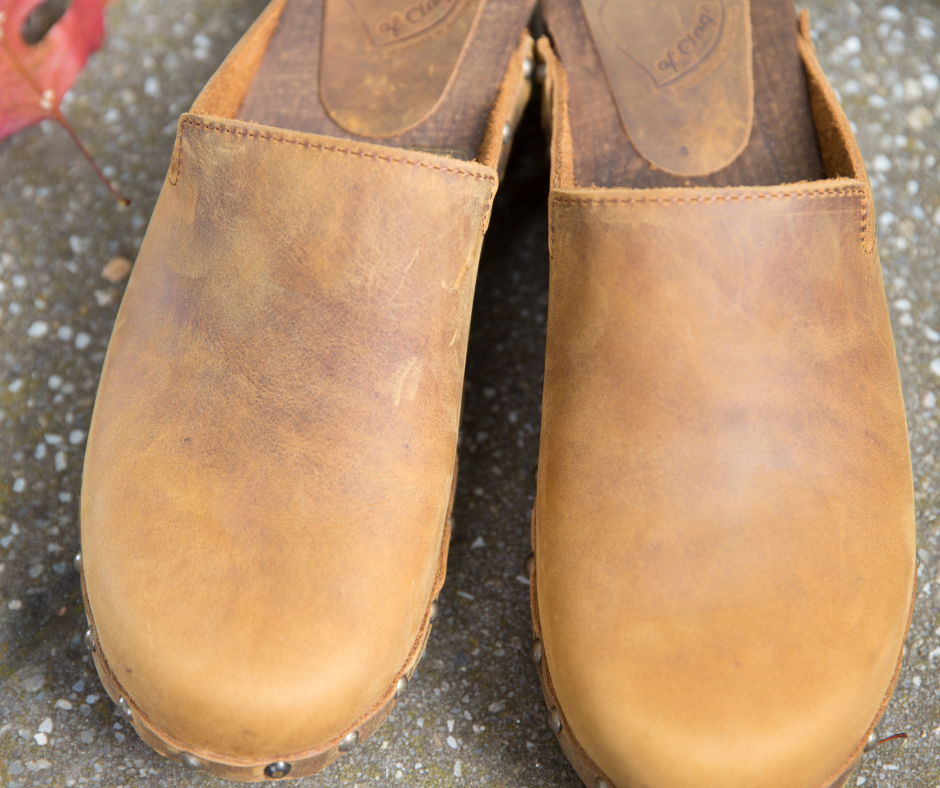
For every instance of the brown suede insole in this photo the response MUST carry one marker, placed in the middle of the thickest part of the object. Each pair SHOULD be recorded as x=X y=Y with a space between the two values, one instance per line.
x=287 y=90
x=782 y=147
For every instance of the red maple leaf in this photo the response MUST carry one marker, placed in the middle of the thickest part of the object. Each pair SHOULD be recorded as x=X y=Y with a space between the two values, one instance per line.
x=35 y=77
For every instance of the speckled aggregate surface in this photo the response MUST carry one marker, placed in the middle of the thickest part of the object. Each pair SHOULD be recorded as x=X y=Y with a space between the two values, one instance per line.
x=474 y=714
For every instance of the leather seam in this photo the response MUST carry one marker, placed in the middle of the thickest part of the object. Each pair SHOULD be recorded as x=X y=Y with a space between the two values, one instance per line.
x=716 y=197
x=489 y=208
x=720 y=198
x=318 y=146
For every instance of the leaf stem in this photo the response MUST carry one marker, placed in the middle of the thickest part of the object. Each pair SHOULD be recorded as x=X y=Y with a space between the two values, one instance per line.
x=891 y=738
x=57 y=114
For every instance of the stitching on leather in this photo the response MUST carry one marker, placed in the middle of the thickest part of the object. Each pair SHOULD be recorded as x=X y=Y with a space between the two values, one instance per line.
x=318 y=146
x=719 y=198
x=864 y=229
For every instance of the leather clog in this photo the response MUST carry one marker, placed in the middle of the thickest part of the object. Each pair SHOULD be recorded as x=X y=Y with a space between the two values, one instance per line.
x=271 y=462
x=723 y=531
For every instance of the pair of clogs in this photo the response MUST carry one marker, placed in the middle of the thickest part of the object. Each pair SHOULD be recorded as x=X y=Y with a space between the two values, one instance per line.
x=723 y=529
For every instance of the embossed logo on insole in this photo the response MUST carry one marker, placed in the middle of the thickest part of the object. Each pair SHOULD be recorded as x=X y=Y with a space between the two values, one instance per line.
x=397 y=21
x=670 y=43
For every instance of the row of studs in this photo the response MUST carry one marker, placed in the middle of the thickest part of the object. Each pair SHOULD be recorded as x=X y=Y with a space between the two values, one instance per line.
x=554 y=718
x=123 y=706
x=528 y=66
x=535 y=652
x=273 y=771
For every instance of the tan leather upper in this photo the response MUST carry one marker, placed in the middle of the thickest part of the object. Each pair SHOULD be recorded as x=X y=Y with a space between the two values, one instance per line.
x=271 y=456
x=272 y=451
x=723 y=529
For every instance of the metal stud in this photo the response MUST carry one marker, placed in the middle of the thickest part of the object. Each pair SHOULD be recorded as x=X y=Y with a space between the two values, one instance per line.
x=528 y=66
x=191 y=762
x=349 y=742
x=401 y=687
x=872 y=742
x=276 y=771
x=536 y=652
x=507 y=132
x=554 y=721
x=529 y=564
x=600 y=782
x=435 y=609
x=540 y=73
x=78 y=562
x=125 y=708
x=89 y=639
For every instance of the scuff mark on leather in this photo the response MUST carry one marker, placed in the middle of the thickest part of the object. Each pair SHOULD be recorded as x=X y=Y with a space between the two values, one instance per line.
x=405 y=380
x=404 y=274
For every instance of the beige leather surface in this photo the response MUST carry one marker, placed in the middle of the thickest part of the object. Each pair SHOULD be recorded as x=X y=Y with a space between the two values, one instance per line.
x=680 y=72
x=724 y=524
x=271 y=456
x=385 y=63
